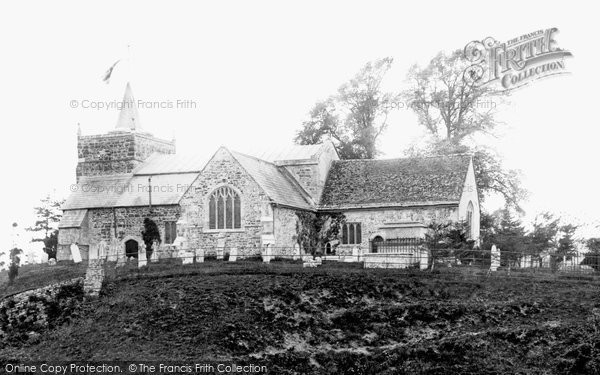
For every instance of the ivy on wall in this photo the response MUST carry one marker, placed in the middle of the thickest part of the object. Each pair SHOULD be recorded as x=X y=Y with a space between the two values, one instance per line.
x=313 y=230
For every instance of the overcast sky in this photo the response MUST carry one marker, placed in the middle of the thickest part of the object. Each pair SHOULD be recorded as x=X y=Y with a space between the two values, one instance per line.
x=255 y=68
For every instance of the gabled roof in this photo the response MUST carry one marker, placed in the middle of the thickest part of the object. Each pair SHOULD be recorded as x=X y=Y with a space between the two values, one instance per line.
x=274 y=180
x=395 y=182
x=128 y=191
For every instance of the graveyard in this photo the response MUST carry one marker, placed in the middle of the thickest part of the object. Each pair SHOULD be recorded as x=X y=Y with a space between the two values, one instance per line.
x=336 y=318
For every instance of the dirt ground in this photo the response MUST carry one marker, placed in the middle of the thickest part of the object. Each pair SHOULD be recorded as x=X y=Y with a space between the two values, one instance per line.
x=335 y=320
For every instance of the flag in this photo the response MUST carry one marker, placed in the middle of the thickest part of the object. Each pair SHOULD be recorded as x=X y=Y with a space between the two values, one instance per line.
x=109 y=72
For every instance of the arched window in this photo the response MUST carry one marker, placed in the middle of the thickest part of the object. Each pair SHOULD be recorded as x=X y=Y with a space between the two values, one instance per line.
x=470 y=219
x=224 y=209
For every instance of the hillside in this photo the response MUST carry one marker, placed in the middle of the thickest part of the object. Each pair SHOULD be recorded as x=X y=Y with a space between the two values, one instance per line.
x=335 y=321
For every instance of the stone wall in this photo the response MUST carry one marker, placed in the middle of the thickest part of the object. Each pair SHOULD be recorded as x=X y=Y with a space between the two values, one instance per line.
x=129 y=224
x=30 y=313
x=374 y=221
x=284 y=224
x=221 y=170
x=117 y=153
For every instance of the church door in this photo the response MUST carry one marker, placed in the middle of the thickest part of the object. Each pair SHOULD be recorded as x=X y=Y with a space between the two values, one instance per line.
x=131 y=248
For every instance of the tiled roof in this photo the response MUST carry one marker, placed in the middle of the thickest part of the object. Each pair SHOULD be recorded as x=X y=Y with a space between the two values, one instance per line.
x=128 y=190
x=395 y=182
x=274 y=181
x=72 y=219
x=171 y=163
x=288 y=152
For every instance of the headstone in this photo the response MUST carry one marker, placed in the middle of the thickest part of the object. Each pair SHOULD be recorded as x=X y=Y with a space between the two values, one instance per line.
x=155 y=248
x=154 y=256
x=199 y=255
x=103 y=250
x=75 y=253
x=220 y=247
x=187 y=257
x=266 y=256
x=495 y=259
x=52 y=262
x=423 y=258
x=233 y=254
x=142 y=259
x=355 y=254
x=297 y=254
x=94 y=251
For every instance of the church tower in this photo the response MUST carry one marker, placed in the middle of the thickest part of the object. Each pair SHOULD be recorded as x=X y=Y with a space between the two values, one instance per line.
x=121 y=150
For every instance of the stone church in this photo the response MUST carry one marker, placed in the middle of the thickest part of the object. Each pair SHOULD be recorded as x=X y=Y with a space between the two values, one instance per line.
x=251 y=201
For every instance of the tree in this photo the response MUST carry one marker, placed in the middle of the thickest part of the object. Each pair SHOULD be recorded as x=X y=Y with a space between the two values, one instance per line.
x=592 y=258
x=454 y=110
x=149 y=235
x=566 y=243
x=48 y=215
x=355 y=116
x=15 y=262
x=313 y=230
x=543 y=236
x=510 y=237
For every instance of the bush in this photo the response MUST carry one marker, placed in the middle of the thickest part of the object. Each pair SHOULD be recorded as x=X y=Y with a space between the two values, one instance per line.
x=13 y=272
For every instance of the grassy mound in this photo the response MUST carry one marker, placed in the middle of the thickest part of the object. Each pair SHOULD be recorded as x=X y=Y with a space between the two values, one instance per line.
x=336 y=321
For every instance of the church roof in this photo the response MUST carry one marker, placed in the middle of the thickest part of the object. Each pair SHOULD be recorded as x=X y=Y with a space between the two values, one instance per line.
x=274 y=180
x=129 y=117
x=128 y=191
x=171 y=163
x=395 y=182
x=289 y=153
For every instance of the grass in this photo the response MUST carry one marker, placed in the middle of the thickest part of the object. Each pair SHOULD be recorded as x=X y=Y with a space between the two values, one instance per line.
x=336 y=319
x=39 y=275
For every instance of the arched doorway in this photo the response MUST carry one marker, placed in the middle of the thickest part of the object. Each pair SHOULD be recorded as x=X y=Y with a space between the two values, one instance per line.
x=131 y=248
x=328 y=249
x=375 y=243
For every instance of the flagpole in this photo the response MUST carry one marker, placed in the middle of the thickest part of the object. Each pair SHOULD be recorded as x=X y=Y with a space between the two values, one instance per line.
x=129 y=63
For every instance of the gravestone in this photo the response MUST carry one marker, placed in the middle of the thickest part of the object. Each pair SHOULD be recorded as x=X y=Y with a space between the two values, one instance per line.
x=233 y=254
x=220 y=247
x=266 y=255
x=423 y=258
x=142 y=260
x=199 y=255
x=75 y=253
x=154 y=256
x=103 y=250
x=52 y=262
x=495 y=258
x=187 y=257
x=297 y=254
x=94 y=251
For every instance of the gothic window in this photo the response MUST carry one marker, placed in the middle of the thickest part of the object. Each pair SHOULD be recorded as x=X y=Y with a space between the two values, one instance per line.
x=170 y=232
x=351 y=234
x=224 y=209
x=470 y=220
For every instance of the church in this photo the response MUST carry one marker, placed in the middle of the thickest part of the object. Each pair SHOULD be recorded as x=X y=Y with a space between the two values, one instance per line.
x=252 y=201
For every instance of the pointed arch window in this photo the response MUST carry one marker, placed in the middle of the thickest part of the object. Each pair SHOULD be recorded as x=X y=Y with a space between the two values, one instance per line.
x=224 y=209
x=470 y=219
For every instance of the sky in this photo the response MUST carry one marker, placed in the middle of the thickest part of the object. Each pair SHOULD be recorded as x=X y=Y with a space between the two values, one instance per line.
x=250 y=72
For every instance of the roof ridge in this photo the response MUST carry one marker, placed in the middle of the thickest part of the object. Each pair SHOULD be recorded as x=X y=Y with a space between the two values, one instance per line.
x=252 y=157
x=408 y=157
